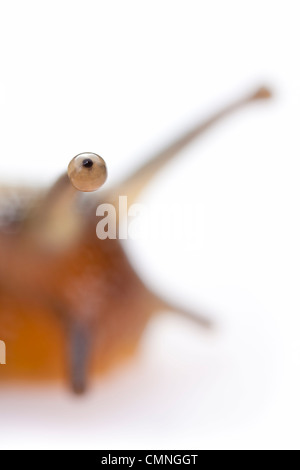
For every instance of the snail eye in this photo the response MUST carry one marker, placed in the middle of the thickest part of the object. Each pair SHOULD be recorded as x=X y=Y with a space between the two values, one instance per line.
x=87 y=172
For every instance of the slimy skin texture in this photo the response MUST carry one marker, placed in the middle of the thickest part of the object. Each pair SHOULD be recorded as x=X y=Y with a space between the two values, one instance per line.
x=71 y=305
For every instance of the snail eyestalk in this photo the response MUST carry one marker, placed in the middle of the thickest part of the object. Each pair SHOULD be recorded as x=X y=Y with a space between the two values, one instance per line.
x=56 y=222
x=135 y=183
x=87 y=172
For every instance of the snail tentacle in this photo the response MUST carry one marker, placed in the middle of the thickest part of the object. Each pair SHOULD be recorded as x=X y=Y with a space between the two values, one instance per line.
x=135 y=183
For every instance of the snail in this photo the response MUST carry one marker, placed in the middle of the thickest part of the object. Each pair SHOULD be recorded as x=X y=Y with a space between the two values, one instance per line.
x=71 y=305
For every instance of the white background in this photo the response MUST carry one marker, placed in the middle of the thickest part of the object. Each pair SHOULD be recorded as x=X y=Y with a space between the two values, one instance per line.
x=119 y=79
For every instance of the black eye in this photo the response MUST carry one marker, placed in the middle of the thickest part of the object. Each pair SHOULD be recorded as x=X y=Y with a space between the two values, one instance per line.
x=92 y=179
x=87 y=163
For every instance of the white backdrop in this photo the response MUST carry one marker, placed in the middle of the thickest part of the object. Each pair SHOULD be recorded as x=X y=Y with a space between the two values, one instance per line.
x=119 y=79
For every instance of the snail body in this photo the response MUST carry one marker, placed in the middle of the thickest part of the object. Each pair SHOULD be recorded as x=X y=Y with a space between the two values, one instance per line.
x=71 y=305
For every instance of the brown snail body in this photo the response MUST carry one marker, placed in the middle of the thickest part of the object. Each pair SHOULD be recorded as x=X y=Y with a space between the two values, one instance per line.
x=71 y=305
